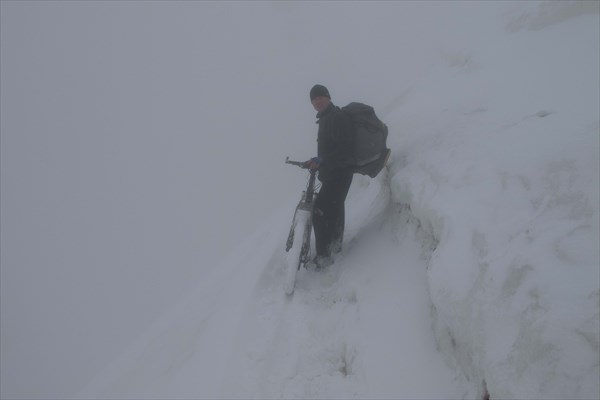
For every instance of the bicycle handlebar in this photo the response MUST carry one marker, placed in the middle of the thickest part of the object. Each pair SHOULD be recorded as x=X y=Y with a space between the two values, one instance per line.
x=297 y=163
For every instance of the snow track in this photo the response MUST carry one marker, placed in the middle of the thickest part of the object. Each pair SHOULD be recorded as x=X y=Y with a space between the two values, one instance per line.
x=358 y=329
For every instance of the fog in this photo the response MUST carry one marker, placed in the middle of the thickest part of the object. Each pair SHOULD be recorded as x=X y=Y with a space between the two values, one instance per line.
x=140 y=141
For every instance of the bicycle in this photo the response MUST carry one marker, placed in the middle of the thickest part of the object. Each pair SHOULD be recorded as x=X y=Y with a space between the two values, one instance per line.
x=297 y=252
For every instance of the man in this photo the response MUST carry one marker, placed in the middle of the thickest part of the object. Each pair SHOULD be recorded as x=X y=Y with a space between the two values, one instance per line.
x=335 y=172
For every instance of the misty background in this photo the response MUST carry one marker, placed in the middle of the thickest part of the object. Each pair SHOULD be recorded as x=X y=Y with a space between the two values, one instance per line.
x=140 y=141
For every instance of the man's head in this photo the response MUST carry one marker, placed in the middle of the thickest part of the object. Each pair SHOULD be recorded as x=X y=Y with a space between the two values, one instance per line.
x=319 y=97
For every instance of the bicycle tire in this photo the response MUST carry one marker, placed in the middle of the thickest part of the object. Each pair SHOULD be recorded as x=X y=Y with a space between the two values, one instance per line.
x=298 y=252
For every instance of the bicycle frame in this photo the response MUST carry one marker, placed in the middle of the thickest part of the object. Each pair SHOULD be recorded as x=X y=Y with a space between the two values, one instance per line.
x=306 y=201
x=298 y=250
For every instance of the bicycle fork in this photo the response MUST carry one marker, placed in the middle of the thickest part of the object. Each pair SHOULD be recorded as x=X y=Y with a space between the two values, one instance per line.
x=302 y=215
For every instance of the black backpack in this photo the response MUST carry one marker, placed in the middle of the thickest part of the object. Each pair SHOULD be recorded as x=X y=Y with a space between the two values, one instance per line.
x=370 y=152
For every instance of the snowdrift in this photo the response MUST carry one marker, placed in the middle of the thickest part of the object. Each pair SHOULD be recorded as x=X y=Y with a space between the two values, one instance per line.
x=505 y=180
x=480 y=243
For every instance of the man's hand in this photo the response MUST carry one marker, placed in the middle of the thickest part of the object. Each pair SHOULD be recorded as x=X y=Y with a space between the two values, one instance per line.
x=313 y=164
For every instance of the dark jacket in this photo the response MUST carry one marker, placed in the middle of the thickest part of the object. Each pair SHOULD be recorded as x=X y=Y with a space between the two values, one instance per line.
x=334 y=143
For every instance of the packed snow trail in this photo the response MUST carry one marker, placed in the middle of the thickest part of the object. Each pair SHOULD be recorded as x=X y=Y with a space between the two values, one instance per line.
x=361 y=328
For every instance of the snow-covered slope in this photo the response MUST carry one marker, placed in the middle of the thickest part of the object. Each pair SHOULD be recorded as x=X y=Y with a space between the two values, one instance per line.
x=471 y=266
x=360 y=329
x=142 y=140
x=506 y=180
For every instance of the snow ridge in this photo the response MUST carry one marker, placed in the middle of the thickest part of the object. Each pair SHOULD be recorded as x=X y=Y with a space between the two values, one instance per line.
x=471 y=268
x=513 y=273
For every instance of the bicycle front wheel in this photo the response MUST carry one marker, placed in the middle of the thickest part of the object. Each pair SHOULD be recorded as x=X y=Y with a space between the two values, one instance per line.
x=298 y=252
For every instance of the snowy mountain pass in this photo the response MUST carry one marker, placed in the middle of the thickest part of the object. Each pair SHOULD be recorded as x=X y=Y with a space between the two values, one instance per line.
x=362 y=328
x=143 y=142
x=495 y=265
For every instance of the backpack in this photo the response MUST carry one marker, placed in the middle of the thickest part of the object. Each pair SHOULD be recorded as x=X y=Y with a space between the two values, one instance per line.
x=369 y=151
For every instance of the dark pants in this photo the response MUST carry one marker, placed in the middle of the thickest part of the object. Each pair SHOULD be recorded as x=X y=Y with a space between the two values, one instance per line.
x=329 y=214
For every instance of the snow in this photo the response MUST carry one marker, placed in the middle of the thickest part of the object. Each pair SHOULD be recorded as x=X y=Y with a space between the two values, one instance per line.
x=360 y=329
x=511 y=196
x=471 y=265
